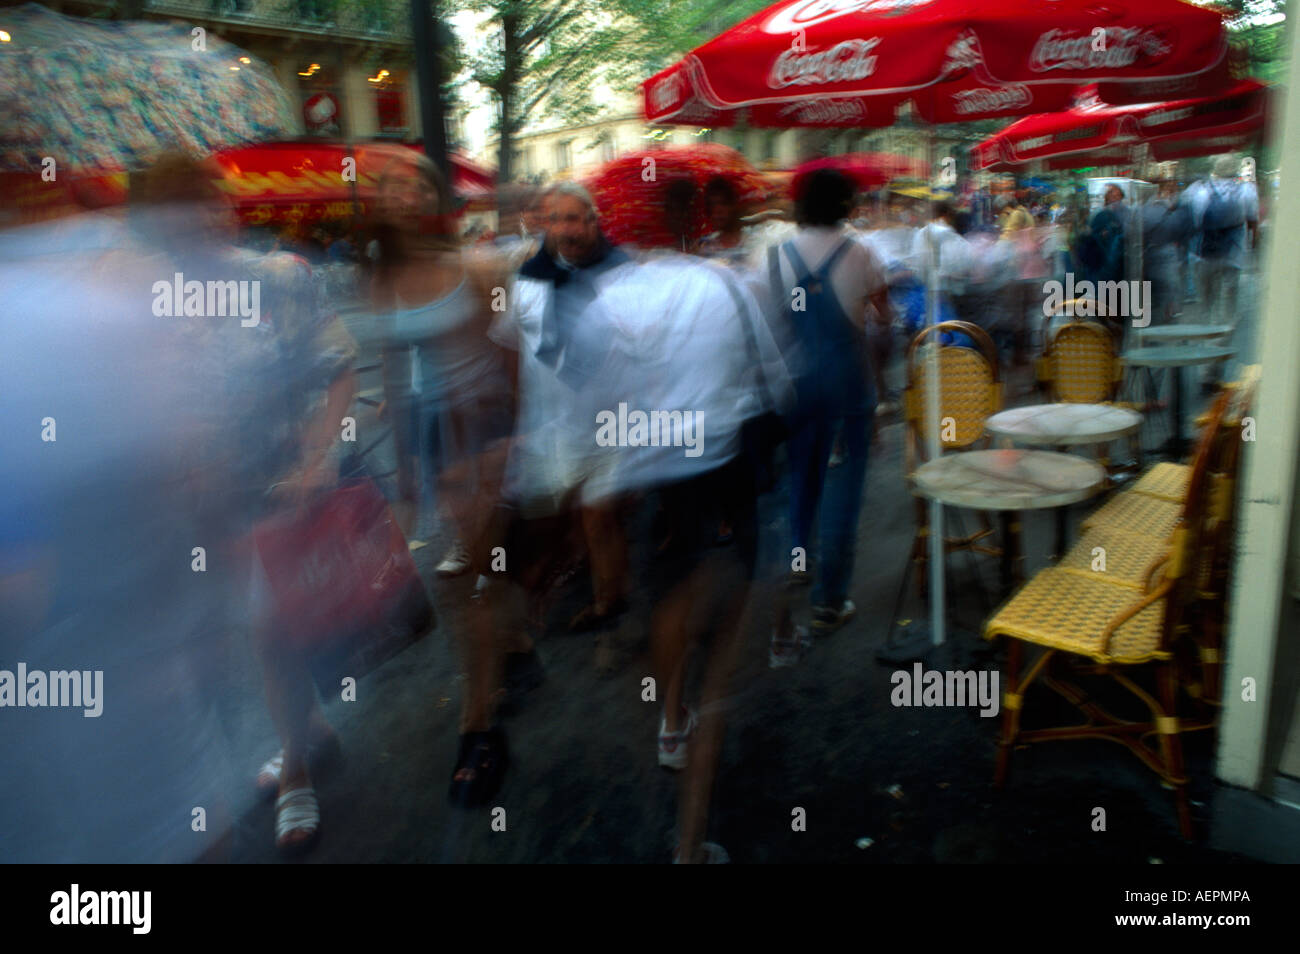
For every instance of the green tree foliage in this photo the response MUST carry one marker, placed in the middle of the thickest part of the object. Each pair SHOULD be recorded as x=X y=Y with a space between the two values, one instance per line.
x=1259 y=26
x=542 y=58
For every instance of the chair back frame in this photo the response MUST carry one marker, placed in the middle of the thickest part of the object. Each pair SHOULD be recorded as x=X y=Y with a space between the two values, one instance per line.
x=914 y=394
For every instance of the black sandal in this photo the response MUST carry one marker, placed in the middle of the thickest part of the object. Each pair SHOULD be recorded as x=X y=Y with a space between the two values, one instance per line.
x=484 y=756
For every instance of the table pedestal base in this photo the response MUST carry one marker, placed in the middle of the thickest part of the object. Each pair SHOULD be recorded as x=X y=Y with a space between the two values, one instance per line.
x=915 y=643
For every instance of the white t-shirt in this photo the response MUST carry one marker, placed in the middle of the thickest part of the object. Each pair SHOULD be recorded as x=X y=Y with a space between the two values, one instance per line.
x=954 y=257
x=857 y=275
x=893 y=245
x=681 y=337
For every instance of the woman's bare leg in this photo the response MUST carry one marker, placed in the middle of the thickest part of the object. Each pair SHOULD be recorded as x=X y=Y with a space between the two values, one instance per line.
x=291 y=701
x=706 y=743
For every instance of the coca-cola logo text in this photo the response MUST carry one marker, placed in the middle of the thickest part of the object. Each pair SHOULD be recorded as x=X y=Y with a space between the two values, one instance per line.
x=825 y=112
x=964 y=53
x=666 y=92
x=1165 y=116
x=802 y=14
x=1036 y=142
x=1073 y=50
x=988 y=100
x=843 y=63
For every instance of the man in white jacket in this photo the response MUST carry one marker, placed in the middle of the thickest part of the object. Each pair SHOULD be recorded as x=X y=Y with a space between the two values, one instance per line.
x=938 y=242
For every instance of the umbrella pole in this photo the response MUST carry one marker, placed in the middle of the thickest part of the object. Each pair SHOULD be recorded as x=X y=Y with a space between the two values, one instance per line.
x=937 y=592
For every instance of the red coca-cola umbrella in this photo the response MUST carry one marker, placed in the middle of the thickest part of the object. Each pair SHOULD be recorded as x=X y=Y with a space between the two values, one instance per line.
x=868 y=170
x=1094 y=133
x=853 y=62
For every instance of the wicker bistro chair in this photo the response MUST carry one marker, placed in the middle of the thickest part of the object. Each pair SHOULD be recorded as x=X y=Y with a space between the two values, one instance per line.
x=1213 y=578
x=1080 y=362
x=1151 y=505
x=1137 y=539
x=970 y=390
x=1129 y=553
x=1101 y=629
x=1081 y=365
x=1168 y=481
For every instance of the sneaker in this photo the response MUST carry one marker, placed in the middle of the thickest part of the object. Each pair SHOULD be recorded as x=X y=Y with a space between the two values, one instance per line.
x=791 y=652
x=672 y=745
x=827 y=620
x=711 y=853
x=455 y=561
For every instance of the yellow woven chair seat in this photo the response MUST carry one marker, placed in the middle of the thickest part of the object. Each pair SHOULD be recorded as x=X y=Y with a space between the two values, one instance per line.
x=1165 y=481
x=1129 y=558
x=1065 y=610
x=1136 y=513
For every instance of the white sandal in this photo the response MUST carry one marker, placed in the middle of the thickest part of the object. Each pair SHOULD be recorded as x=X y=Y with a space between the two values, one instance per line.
x=319 y=757
x=296 y=811
x=268 y=776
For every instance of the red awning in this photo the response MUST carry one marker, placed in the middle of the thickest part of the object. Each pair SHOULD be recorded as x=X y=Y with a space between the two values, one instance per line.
x=304 y=181
x=268 y=183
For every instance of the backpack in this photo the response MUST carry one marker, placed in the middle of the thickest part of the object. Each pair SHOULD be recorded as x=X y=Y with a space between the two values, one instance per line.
x=833 y=374
x=1224 y=215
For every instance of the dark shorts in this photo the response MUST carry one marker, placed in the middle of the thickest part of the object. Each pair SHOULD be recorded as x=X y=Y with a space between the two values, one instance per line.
x=536 y=548
x=690 y=514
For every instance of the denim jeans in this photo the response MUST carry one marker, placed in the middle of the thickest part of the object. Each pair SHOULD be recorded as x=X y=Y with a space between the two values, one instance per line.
x=810 y=449
x=1219 y=281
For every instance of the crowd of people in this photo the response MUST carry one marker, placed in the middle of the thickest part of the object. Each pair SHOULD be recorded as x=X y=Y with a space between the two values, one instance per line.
x=703 y=409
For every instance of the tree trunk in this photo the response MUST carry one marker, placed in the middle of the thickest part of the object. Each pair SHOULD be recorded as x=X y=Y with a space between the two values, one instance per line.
x=506 y=93
x=428 y=65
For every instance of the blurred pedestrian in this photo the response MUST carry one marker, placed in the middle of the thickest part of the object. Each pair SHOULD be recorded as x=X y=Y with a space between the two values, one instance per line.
x=1011 y=215
x=826 y=306
x=938 y=242
x=1225 y=214
x=1166 y=229
x=428 y=294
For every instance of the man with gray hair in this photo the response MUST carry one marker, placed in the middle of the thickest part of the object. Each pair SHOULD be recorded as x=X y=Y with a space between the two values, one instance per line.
x=561 y=347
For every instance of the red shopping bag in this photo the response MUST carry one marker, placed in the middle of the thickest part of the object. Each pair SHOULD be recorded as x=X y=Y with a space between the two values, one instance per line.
x=343 y=583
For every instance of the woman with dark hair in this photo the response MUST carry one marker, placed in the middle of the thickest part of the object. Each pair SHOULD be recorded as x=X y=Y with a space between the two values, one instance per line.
x=827 y=284
x=727 y=241
x=679 y=213
x=430 y=296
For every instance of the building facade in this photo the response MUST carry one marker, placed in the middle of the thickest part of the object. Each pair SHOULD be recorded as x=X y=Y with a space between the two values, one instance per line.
x=545 y=152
